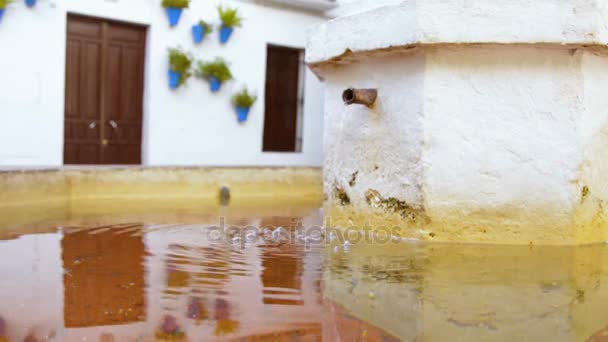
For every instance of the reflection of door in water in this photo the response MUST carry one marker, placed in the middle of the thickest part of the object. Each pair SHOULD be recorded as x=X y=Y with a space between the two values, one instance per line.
x=103 y=92
x=282 y=267
x=104 y=277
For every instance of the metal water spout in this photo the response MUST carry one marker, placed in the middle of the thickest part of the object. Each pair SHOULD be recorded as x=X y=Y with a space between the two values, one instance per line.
x=360 y=96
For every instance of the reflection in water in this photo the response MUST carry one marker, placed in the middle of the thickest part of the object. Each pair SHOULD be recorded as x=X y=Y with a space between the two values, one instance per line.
x=3 y=336
x=104 y=276
x=170 y=329
x=225 y=324
x=197 y=310
x=456 y=292
x=142 y=282
x=282 y=265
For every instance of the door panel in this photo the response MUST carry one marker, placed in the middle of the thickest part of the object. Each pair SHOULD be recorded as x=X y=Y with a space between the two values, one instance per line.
x=282 y=98
x=82 y=99
x=84 y=27
x=124 y=106
x=104 y=92
x=89 y=80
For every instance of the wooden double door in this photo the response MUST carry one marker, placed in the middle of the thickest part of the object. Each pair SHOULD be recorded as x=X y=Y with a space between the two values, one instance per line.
x=103 y=91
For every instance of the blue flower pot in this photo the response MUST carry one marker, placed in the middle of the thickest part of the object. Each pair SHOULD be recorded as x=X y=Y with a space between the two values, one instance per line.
x=225 y=33
x=30 y=3
x=174 y=14
x=198 y=33
x=242 y=113
x=215 y=84
x=1 y=13
x=174 y=79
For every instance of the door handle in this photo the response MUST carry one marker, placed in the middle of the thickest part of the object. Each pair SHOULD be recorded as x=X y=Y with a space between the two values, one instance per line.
x=93 y=124
x=113 y=124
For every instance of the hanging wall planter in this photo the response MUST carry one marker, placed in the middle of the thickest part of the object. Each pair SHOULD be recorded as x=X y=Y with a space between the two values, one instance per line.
x=215 y=84
x=216 y=73
x=174 y=15
x=175 y=79
x=198 y=33
x=242 y=114
x=30 y=3
x=230 y=19
x=225 y=33
x=242 y=102
x=3 y=4
x=200 y=30
x=174 y=9
x=179 y=68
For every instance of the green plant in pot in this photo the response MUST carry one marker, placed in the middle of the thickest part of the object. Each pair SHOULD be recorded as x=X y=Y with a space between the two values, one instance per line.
x=216 y=72
x=230 y=19
x=174 y=9
x=200 y=30
x=179 y=67
x=242 y=102
x=3 y=4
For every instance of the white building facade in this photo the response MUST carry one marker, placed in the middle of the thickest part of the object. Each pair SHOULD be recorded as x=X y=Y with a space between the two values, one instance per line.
x=187 y=126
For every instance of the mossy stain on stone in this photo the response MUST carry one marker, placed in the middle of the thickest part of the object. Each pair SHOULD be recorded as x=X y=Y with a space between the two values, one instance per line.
x=584 y=193
x=341 y=196
x=391 y=204
x=353 y=179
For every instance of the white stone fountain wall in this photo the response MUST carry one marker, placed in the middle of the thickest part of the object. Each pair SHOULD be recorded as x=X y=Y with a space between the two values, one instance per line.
x=377 y=149
x=506 y=136
x=502 y=133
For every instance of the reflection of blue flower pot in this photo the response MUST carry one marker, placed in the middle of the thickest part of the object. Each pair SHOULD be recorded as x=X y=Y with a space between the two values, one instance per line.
x=198 y=33
x=215 y=84
x=1 y=13
x=242 y=113
x=225 y=33
x=174 y=14
x=30 y=3
x=174 y=79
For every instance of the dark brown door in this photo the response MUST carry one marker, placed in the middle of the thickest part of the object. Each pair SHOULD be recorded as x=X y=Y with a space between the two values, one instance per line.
x=283 y=66
x=103 y=92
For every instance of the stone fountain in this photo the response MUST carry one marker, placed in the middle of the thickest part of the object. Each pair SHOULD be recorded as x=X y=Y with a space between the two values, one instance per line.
x=489 y=122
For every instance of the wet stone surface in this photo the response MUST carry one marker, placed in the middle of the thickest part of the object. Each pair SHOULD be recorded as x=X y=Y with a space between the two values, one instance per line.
x=278 y=277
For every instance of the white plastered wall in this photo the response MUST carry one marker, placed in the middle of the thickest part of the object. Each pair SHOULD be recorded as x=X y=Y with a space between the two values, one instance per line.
x=485 y=139
x=189 y=126
x=379 y=149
